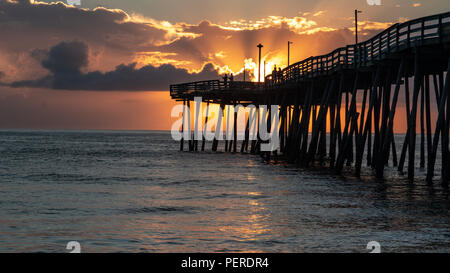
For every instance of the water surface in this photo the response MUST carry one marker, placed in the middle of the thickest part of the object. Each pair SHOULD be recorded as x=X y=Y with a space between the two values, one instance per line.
x=135 y=192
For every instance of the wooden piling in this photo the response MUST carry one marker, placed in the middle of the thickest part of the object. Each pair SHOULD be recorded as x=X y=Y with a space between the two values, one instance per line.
x=182 y=126
x=388 y=138
x=439 y=125
x=413 y=116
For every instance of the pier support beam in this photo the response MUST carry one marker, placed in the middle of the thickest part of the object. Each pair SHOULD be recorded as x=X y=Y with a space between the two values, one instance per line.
x=413 y=116
x=388 y=138
x=182 y=126
x=440 y=126
x=346 y=147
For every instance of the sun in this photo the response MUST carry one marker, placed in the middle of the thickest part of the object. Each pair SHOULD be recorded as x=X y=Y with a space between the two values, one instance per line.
x=267 y=66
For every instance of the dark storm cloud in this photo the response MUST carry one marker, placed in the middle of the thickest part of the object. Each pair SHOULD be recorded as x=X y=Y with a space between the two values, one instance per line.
x=66 y=60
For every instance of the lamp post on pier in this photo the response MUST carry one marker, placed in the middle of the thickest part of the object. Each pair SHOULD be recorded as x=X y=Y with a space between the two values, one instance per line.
x=356 y=25
x=259 y=62
x=289 y=44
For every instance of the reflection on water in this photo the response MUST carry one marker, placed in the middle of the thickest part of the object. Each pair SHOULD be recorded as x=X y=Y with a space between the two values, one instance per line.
x=134 y=192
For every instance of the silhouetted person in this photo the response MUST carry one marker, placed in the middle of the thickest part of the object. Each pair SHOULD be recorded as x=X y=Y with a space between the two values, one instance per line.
x=231 y=77
x=274 y=74
x=225 y=80
x=280 y=74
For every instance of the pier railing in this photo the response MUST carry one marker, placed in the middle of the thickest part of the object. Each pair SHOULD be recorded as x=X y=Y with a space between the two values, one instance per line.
x=197 y=88
x=397 y=37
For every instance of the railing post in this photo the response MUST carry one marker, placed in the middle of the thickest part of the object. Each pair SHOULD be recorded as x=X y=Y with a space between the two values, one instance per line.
x=422 y=31
x=357 y=54
x=389 y=42
x=408 y=40
x=371 y=50
x=379 y=47
x=362 y=55
x=397 y=39
x=346 y=56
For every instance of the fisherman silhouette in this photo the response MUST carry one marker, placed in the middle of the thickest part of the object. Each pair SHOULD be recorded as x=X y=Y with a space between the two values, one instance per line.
x=225 y=80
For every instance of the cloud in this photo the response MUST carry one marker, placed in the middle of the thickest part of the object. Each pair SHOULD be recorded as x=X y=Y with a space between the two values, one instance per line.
x=238 y=45
x=66 y=60
x=39 y=22
x=113 y=35
x=371 y=25
x=296 y=23
x=320 y=12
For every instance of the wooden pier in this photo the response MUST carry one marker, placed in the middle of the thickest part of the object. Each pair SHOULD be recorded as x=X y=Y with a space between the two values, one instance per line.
x=363 y=82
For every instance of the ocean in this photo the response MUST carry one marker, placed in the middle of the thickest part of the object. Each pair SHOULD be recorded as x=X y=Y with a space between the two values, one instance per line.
x=134 y=191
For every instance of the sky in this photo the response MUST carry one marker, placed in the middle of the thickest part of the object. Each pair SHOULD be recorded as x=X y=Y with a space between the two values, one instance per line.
x=108 y=64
